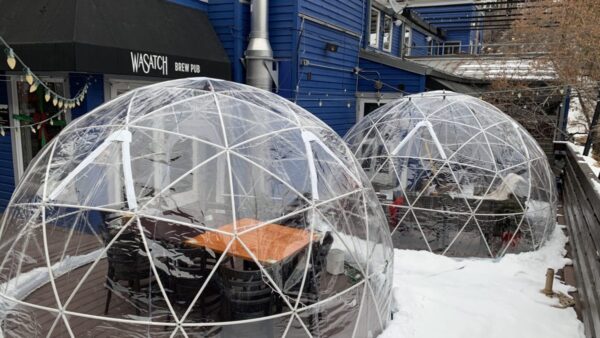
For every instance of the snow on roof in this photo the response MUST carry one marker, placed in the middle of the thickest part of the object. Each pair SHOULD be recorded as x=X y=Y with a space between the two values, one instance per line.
x=483 y=68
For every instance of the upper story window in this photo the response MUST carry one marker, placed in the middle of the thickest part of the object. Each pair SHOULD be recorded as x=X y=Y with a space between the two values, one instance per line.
x=388 y=31
x=406 y=48
x=374 y=28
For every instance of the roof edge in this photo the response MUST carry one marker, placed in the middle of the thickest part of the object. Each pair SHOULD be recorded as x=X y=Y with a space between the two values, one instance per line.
x=394 y=62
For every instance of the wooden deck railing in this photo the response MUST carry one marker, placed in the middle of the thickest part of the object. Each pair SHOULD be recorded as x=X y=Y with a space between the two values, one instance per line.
x=581 y=202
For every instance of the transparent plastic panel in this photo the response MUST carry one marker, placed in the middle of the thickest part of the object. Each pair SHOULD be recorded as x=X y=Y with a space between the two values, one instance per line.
x=195 y=208
x=436 y=159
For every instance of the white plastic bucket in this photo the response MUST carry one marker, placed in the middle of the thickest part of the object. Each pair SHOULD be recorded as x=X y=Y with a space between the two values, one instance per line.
x=335 y=262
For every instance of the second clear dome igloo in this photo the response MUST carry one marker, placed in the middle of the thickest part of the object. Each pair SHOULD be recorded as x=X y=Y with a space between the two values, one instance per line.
x=456 y=176
x=198 y=208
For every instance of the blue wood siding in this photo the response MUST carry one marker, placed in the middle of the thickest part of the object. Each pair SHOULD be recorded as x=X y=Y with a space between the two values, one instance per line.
x=231 y=22
x=94 y=97
x=347 y=14
x=197 y=4
x=327 y=85
x=283 y=35
x=397 y=40
x=412 y=83
x=282 y=25
x=7 y=176
x=419 y=44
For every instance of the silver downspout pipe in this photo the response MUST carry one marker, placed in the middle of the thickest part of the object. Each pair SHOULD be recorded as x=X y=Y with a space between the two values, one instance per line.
x=259 y=55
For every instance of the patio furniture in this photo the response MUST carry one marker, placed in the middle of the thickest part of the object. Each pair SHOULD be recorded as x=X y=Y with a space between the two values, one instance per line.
x=188 y=269
x=269 y=243
x=315 y=269
x=247 y=293
x=126 y=263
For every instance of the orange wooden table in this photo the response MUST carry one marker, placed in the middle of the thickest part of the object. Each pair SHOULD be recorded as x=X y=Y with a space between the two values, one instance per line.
x=270 y=243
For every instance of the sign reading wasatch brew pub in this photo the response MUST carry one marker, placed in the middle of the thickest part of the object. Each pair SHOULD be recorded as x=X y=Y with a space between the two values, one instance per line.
x=146 y=48
x=152 y=63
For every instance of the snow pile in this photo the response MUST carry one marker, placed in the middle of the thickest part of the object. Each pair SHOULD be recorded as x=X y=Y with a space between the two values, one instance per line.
x=577 y=122
x=437 y=296
x=588 y=159
x=593 y=164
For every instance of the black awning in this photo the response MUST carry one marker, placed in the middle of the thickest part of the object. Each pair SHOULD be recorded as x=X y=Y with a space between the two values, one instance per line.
x=129 y=37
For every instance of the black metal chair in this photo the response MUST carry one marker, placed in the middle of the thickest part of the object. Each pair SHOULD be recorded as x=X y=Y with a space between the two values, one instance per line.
x=310 y=292
x=188 y=270
x=126 y=263
x=299 y=220
x=247 y=293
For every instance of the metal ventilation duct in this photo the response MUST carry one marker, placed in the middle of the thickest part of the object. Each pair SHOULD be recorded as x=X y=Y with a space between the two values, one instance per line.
x=259 y=55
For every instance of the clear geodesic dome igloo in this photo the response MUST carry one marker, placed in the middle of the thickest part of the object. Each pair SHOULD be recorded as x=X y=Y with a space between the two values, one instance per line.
x=456 y=176
x=197 y=208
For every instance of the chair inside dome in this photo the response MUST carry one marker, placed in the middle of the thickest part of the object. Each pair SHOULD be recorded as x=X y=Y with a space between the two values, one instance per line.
x=456 y=176
x=196 y=207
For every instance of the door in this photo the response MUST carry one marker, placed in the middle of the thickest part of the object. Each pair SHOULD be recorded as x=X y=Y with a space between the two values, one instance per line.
x=30 y=108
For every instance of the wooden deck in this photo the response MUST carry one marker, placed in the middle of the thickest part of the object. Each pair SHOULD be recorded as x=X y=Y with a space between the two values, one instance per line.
x=333 y=319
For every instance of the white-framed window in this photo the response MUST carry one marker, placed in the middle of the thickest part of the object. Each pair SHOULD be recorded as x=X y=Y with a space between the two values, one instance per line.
x=388 y=33
x=407 y=41
x=452 y=47
x=366 y=102
x=374 y=28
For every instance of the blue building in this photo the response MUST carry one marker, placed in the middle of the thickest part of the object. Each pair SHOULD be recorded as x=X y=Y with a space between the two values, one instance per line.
x=339 y=59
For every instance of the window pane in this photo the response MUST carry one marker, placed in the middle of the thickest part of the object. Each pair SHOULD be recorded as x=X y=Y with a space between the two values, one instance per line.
x=374 y=28
x=407 y=40
x=388 y=25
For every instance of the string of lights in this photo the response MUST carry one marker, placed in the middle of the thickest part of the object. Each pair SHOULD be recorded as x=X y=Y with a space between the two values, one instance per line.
x=330 y=95
x=323 y=96
x=35 y=82
x=35 y=126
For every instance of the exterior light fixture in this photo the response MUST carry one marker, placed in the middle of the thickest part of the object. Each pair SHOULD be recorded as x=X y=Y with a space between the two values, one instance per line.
x=11 y=60
x=33 y=87
x=331 y=47
x=29 y=77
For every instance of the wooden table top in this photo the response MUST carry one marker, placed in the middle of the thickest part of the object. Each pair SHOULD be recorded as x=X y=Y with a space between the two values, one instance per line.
x=270 y=243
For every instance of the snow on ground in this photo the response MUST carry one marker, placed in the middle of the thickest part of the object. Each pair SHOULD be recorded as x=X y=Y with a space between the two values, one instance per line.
x=594 y=165
x=577 y=122
x=437 y=296
x=588 y=159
